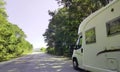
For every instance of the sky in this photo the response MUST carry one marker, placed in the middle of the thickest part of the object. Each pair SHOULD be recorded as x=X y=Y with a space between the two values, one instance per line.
x=32 y=17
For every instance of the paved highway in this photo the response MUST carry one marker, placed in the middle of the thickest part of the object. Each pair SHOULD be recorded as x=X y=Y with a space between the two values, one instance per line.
x=38 y=62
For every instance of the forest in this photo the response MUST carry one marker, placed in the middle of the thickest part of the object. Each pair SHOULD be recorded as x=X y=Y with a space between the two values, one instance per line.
x=12 y=38
x=63 y=26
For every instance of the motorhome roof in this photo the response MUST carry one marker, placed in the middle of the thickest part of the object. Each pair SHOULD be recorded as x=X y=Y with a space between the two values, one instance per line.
x=93 y=15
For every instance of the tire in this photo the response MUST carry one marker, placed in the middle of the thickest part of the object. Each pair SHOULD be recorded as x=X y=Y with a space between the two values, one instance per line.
x=75 y=64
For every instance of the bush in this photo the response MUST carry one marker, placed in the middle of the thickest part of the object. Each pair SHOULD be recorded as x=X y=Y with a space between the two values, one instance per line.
x=50 y=50
x=43 y=49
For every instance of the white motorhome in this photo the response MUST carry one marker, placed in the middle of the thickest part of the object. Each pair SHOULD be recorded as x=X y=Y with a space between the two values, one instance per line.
x=99 y=40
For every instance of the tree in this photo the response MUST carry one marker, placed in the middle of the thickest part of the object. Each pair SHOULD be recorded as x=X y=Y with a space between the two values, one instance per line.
x=12 y=38
x=63 y=26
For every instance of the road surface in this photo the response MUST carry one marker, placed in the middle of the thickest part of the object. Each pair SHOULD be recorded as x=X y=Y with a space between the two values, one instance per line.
x=38 y=62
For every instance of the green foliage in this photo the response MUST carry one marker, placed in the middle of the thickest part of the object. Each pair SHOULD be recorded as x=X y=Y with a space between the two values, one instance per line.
x=12 y=38
x=43 y=49
x=63 y=27
x=51 y=50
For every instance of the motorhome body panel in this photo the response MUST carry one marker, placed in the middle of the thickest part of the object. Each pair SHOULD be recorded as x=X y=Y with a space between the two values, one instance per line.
x=101 y=51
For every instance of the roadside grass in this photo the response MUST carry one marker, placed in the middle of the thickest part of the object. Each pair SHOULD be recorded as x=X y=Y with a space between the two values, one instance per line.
x=14 y=57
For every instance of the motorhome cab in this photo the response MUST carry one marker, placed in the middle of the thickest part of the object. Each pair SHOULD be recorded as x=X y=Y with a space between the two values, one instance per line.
x=99 y=40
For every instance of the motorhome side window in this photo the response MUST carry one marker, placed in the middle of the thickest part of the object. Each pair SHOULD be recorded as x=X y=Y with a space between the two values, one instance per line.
x=113 y=27
x=90 y=36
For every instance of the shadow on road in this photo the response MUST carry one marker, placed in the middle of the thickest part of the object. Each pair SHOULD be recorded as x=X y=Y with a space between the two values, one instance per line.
x=39 y=62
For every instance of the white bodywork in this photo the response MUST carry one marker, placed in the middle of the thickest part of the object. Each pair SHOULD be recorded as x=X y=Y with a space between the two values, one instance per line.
x=101 y=48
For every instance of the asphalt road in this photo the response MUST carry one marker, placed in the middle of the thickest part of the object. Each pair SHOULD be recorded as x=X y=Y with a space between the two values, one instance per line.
x=38 y=62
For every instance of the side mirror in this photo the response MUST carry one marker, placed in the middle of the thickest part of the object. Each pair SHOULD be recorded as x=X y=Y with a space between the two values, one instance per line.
x=81 y=50
x=71 y=47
